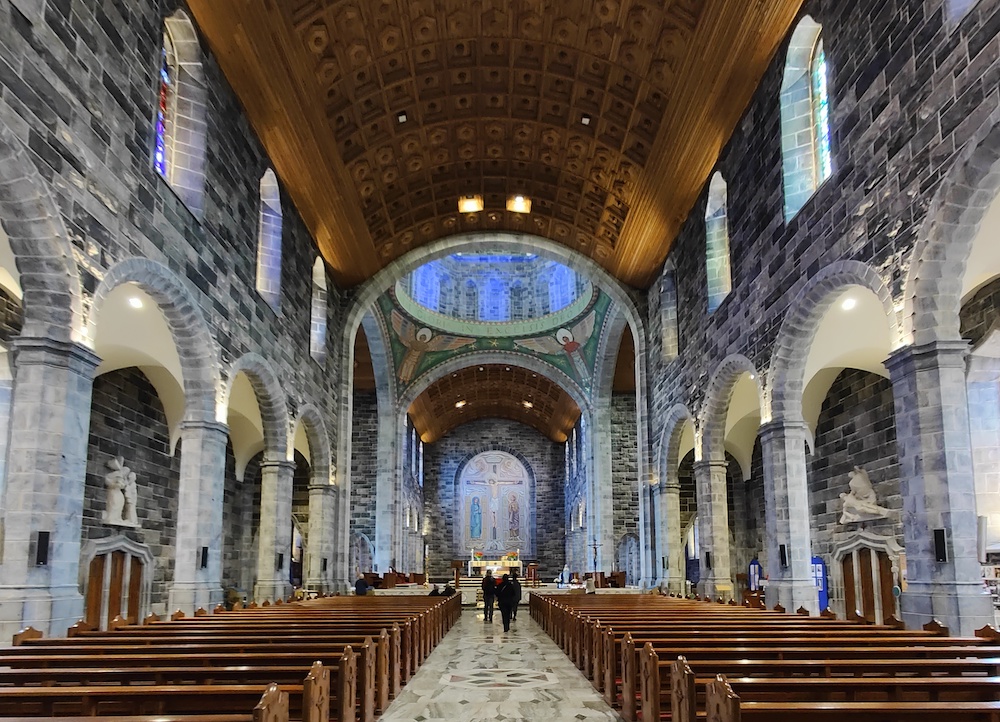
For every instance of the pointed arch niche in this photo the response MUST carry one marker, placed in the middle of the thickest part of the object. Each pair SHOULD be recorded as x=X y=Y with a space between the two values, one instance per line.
x=806 y=156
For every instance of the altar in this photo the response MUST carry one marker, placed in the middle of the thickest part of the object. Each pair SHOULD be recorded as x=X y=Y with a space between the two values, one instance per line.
x=478 y=567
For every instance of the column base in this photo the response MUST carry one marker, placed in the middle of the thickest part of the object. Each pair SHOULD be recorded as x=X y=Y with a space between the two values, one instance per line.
x=51 y=610
x=715 y=587
x=189 y=597
x=792 y=594
x=271 y=590
x=963 y=608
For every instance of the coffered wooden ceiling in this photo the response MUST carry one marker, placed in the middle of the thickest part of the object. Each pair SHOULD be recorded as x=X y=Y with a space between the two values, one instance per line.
x=608 y=114
x=492 y=391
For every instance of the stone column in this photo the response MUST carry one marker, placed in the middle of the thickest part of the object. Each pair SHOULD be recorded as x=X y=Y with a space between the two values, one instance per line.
x=46 y=468
x=387 y=493
x=787 y=516
x=274 y=535
x=323 y=529
x=671 y=533
x=600 y=501
x=198 y=562
x=983 y=383
x=713 y=523
x=938 y=487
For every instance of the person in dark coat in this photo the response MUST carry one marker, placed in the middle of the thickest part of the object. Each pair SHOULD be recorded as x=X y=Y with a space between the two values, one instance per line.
x=517 y=595
x=505 y=600
x=361 y=586
x=435 y=592
x=448 y=590
x=489 y=595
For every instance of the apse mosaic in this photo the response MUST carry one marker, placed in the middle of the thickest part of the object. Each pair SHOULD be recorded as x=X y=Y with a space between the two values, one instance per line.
x=571 y=347
x=494 y=498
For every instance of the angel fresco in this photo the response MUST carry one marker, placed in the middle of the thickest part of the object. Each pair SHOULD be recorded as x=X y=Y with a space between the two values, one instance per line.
x=420 y=340
x=569 y=341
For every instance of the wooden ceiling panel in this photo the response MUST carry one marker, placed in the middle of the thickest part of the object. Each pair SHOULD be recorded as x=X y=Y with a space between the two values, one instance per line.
x=494 y=391
x=607 y=114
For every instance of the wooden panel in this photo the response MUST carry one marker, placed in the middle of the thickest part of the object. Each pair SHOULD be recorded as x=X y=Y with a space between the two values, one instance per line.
x=886 y=583
x=867 y=584
x=379 y=116
x=134 y=589
x=95 y=591
x=850 y=590
x=117 y=585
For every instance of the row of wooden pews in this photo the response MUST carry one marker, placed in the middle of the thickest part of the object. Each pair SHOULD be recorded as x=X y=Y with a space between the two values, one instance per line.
x=335 y=658
x=684 y=660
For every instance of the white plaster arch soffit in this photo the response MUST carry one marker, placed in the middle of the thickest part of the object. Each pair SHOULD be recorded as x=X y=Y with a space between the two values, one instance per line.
x=264 y=395
x=724 y=396
x=310 y=420
x=939 y=261
x=53 y=299
x=809 y=333
x=677 y=421
x=192 y=339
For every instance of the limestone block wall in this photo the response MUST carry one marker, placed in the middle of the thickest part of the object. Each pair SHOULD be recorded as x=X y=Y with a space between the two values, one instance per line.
x=856 y=428
x=127 y=420
x=442 y=462
x=364 y=463
x=240 y=521
x=624 y=465
x=577 y=539
x=980 y=312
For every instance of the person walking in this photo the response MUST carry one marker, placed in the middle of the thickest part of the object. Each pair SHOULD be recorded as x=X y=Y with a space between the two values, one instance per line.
x=489 y=595
x=517 y=595
x=505 y=600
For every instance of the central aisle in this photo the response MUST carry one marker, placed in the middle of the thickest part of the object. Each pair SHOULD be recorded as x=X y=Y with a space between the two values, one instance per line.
x=480 y=673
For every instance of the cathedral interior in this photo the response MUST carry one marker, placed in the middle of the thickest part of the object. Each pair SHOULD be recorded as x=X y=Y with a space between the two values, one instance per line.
x=697 y=295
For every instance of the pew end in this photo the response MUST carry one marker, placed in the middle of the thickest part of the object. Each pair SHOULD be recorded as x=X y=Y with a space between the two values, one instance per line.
x=316 y=694
x=988 y=632
x=150 y=618
x=802 y=612
x=722 y=704
x=683 y=695
x=177 y=615
x=273 y=706
x=80 y=627
x=25 y=634
x=117 y=623
x=894 y=623
x=935 y=627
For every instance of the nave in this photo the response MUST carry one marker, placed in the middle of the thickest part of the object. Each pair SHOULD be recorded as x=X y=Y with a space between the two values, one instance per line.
x=478 y=673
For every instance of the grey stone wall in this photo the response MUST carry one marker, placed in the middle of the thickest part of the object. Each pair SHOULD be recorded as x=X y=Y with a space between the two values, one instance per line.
x=856 y=428
x=624 y=465
x=240 y=520
x=127 y=420
x=364 y=463
x=980 y=312
x=442 y=462
x=11 y=316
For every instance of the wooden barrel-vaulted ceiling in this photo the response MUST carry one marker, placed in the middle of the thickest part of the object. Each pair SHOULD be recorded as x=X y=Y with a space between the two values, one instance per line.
x=608 y=114
x=494 y=391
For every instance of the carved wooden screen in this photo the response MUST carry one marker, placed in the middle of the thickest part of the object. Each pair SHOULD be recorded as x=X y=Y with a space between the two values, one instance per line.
x=868 y=584
x=118 y=583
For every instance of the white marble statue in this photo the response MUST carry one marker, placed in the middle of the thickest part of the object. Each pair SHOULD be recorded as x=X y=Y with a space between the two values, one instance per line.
x=119 y=484
x=860 y=504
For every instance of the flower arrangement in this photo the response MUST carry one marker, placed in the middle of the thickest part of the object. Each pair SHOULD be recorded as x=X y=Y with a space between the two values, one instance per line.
x=478 y=556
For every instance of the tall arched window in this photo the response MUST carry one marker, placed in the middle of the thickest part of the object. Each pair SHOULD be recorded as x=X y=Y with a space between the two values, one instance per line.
x=806 y=156
x=720 y=281
x=269 y=241
x=471 y=309
x=668 y=314
x=495 y=304
x=179 y=122
x=317 y=326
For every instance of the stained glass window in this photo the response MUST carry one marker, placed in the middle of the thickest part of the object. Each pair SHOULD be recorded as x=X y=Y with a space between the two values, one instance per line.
x=821 y=113
x=164 y=107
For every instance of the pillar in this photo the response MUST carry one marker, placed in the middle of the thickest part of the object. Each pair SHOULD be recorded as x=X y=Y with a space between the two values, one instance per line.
x=938 y=487
x=713 y=522
x=46 y=468
x=670 y=532
x=388 y=493
x=323 y=530
x=600 y=499
x=787 y=516
x=198 y=562
x=274 y=542
x=983 y=383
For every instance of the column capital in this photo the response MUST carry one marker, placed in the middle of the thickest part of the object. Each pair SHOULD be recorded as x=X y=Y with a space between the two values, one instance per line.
x=46 y=351
x=936 y=354
x=323 y=489
x=710 y=465
x=277 y=465
x=204 y=425
x=782 y=427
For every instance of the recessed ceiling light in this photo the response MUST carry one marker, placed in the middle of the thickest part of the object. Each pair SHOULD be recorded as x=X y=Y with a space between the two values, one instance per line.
x=460 y=404
x=508 y=368
x=480 y=368
x=585 y=119
x=401 y=117
x=135 y=302
x=527 y=404
x=519 y=204
x=470 y=204
x=753 y=377
x=848 y=304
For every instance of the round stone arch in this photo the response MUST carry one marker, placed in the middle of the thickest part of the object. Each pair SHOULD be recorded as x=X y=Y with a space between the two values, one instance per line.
x=192 y=337
x=710 y=430
x=932 y=295
x=674 y=423
x=460 y=471
x=311 y=420
x=786 y=373
x=53 y=305
x=270 y=400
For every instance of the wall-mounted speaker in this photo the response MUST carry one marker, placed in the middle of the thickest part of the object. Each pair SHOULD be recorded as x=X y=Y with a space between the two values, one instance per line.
x=982 y=531
x=203 y=563
x=708 y=560
x=42 y=549
x=783 y=555
x=940 y=549
x=281 y=561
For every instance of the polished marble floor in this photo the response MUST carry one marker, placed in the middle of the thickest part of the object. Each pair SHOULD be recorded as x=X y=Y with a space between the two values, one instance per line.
x=480 y=673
